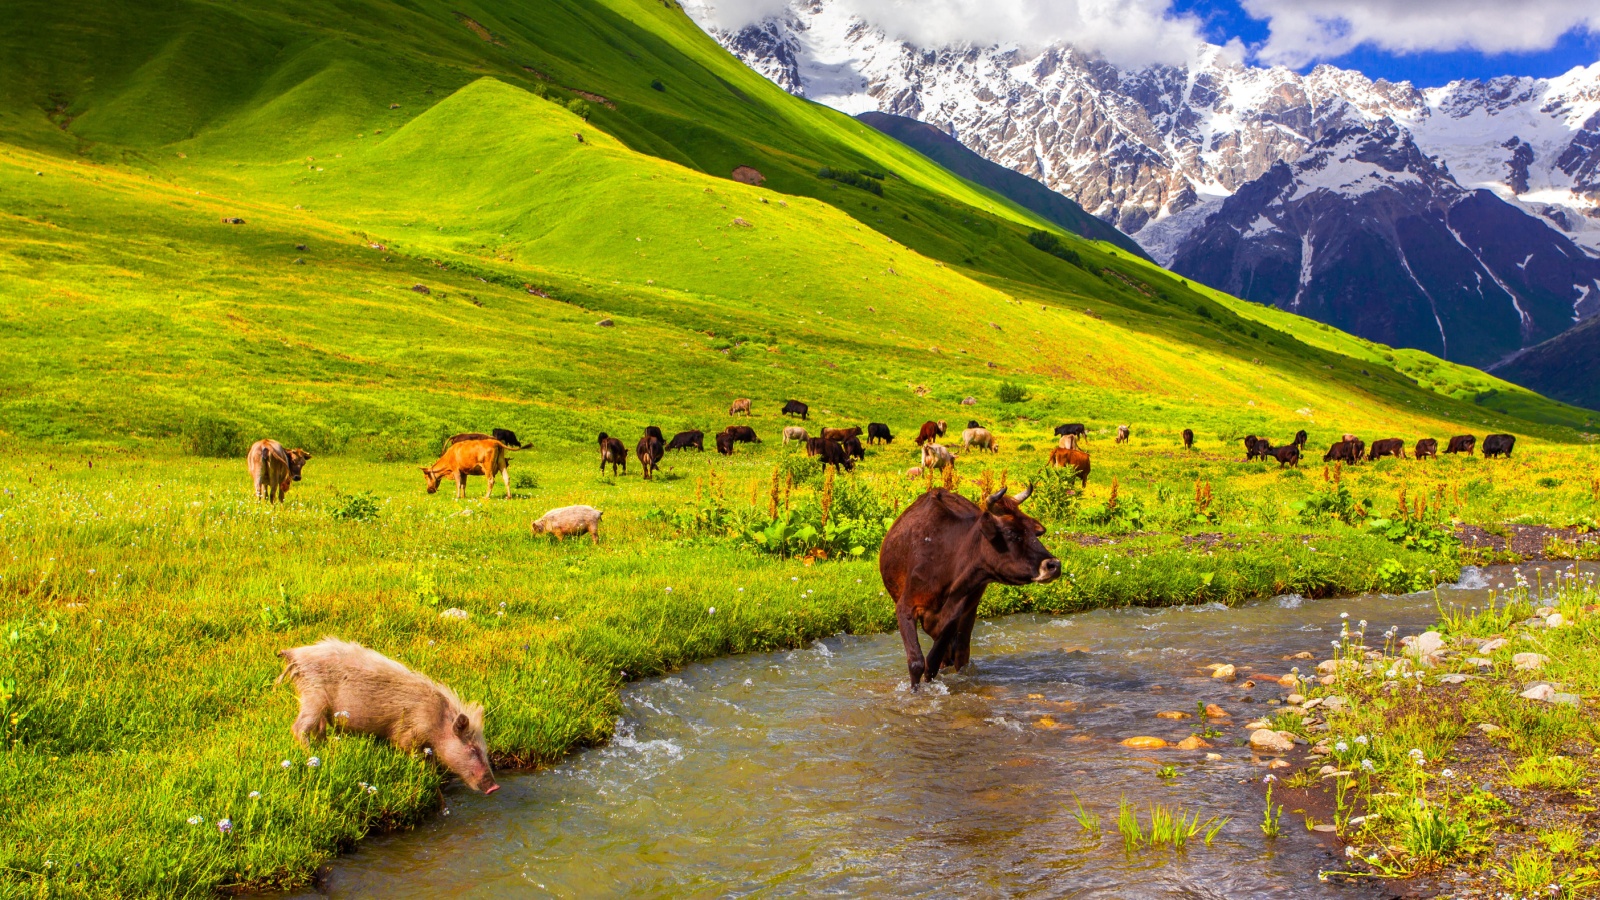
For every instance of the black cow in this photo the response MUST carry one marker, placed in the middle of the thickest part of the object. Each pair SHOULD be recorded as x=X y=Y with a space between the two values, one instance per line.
x=655 y=432
x=1462 y=443
x=1343 y=451
x=1289 y=455
x=1498 y=445
x=683 y=440
x=650 y=450
x=508 y=437
x=1188 y=438
x=877 y=431
x=852 y=446
x=613 y=453
x=454 y=439
x=742 y=434
x=1300 y=438
x=1064 y=430
x=1254 y=447
x=725 y=443
x=973 y=423
x=796 y=408
x=1387 y=447
x=834 y=454
x=1426 y=448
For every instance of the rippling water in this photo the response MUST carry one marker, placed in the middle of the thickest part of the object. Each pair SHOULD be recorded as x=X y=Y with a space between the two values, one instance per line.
x=817 y=772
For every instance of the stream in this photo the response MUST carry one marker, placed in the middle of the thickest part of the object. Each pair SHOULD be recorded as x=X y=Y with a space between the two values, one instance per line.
x=817 y=772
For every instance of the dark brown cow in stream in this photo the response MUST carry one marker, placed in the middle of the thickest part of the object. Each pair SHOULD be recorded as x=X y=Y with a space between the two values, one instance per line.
x=939 y=557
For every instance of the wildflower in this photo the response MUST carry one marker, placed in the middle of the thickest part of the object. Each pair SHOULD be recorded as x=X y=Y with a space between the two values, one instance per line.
x=1447 y=773
x=711 y=610
x=342 y=714
x=1344 y=615
x=669 y=590
x=372 y=789
x=1342 y=747
x=225 y=826
x=254 y=795
x=1417 y=756
x=793 y=578
x=1269 y=779
x=286 y=764
x=196 y=820
x=313 y=762
x=1362 y=624
x=427 y=751
x=1367 y=766
x=1361 y=739
x=1389 y=674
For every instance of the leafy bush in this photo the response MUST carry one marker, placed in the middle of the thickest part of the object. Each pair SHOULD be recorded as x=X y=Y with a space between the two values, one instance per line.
x=1415 y=534
x=1011 y=392
x=362 y=507
x=1335 y=503
x=214 y=438
x=579 y=107
x=525 y=481
x=1055 y=497
x=867 y=181
x=1051 y=244
x=655 y=84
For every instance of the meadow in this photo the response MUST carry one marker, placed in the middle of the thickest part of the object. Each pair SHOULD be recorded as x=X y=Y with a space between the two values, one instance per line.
x=144 y=599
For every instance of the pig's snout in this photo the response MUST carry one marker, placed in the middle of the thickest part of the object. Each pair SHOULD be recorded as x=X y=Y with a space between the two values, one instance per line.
x=491 y=788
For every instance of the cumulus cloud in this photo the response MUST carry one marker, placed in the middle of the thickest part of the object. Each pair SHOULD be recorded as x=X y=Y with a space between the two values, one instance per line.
x=1127 y=32
x=1304 y=31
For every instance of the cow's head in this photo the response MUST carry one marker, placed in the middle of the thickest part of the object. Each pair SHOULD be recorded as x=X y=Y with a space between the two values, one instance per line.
x=1018 y=556
x=433 y=479
x=297 y=461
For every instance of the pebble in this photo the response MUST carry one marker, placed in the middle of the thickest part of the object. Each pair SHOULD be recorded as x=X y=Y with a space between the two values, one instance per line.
x=1489 y=647
x=1324 y=828
x=1313 y=703
x=1424 y=644
x=1528 y=662
x=1455 y=679
x=1487 y=728
x=1225 y=671
x=1545 y=611
x=1144 y=743
x=1193 y=742
x=1289 y=681
x=1335 y=703
x=1266 y=740
x=1480 y=661
x=1327 y=680
x=1171 y=714
x=1278 y=764
x=1303 y=654
x=1327 y=770
x=1295 y=699
x=455 y=613
x=1213 y=757
x=1258 y=724
x=1568 y=699
x=1539 y=691
x=1214 y=711
x=1555 y=620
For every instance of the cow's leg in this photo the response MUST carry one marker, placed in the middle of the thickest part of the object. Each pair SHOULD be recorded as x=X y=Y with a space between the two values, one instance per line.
x=505 y=476
x=461 y=485
x=313 y=719
x=915 y=664
x=949 y=627
x=961 y=654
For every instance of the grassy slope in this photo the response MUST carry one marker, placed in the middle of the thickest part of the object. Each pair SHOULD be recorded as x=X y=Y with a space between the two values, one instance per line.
x=135 y=320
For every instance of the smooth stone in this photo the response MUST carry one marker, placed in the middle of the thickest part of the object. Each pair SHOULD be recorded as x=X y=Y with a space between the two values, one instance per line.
x=1327 y=770
x=1225 y=671
x=1455 y=679
x=1193 y=742
x=1171 y=714
x=1426 y=643
x=1258 y=724
x=1528 y=662
x=1266 y=740
x=1335 y=703
x=1541 y=691
x=1313 y=703
x=1555 y=620
x=1278 y=764
x=1290 y=680
x=1487 y=728
x=1296 y=699
x=1544 y=611
x=1214 y=711
x=1480 y=662
x=1144 y=743
x=1327 y=680
x=1303 y=654
x=1325 y=829
x=1327 y=667
x=1213 y=757
x=1489 y=647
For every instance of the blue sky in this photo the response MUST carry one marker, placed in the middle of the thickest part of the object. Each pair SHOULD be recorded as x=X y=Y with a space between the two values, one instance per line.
x=1225 y=20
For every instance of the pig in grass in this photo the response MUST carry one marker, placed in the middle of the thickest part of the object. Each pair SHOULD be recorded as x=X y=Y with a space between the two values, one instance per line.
x=361 y=690
x=569 y=520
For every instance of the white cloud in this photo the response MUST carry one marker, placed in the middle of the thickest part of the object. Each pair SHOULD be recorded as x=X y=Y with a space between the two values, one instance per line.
x=1139 y=32
x=1126 y=32
x=1304 y=31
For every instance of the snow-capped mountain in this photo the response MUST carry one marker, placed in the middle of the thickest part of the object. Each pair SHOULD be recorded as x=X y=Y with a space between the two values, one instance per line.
x=1160 y=151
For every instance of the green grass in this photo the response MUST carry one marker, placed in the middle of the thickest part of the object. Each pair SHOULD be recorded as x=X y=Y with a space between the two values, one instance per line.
x=143 y=591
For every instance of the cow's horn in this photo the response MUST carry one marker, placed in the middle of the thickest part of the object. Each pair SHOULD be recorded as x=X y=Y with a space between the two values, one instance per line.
x=1026 y=493
x=994 y=498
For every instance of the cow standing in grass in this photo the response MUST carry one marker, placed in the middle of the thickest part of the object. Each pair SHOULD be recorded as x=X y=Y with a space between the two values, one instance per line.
x=930 y=431
x=1188 y=439
x=796 y=408
x=1426 y=448
x=273 y=469
x=613 y=453
x=1074 y=459
x=1387 y=447
x=740 y=406
x=981 y=438
x=1498 y=445
x=1462 y=443
x=877 y=431
x=650 y=450
x=486 y=458
x=1122 y=434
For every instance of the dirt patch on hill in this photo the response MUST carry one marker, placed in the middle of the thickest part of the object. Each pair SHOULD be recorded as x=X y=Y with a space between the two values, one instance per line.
x=478 y=29
x=1528 y=542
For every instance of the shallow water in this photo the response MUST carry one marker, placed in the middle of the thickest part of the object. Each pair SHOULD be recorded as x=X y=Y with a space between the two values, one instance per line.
x=816 y=772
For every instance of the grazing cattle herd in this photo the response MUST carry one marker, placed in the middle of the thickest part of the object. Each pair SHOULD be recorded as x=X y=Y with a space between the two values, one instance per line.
x=936 y=561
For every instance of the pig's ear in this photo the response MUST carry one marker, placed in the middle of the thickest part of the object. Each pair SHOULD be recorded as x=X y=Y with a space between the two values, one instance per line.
x=463 y=725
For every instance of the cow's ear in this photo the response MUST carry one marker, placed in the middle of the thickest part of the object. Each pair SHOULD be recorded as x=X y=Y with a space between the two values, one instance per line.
x=993 y=532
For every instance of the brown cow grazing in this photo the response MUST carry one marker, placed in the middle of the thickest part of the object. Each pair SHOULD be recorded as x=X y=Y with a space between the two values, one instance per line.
x=814 y=446
x=1462 y=443
x=796 y=408
x=650 y=449
x=1343 y=451
x=359 y=690
x=834 y=454
x=931 y=431
x=939 y=557
x=1122 y=434
x=1074 y=459
x=724 y=443
x=839 y=434
x=742 y=434
x=273 y=469
x=684 y=440
x=613 y=453
x=1289 y=455
x=1426 y=448
x=981 y=438
x=1387 y=447
x=741 y=405
x=1069 y=441
x=486 y=458
x=1188 y=439
x=466 y=436
x=569 y=520
x=937 y=457
x=852 y=446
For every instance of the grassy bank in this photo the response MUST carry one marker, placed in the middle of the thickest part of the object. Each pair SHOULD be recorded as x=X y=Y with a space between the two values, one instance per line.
x=144 y=598
x=1462 y=758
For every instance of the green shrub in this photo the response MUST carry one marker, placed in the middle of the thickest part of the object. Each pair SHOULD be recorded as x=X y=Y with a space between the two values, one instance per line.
x=1051 y=244
x=525 y=481
x=655 y=84
x=214 y=438
x=1011 y=392
x=866 y=181
x=579 y=107
x=362 y=507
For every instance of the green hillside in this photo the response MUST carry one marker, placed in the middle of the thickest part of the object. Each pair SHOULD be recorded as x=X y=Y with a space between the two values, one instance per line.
x=361 y=227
